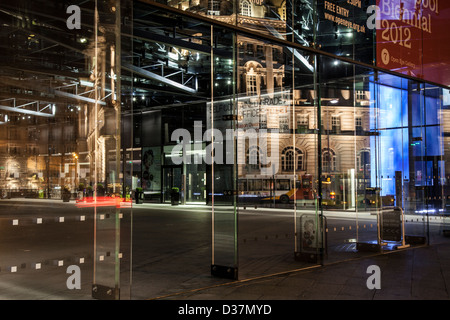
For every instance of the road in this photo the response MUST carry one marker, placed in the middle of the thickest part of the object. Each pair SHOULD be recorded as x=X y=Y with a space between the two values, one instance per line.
x=162 y=249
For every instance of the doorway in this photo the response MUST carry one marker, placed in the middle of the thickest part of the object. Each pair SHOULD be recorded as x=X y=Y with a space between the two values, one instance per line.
x=172 y=178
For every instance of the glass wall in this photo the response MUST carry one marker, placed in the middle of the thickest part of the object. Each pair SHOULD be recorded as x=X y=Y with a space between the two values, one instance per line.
x=402 y=36
x=61 y=181
x=148 y=149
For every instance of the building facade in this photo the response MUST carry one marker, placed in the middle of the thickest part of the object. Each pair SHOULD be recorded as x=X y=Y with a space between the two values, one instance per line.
x=307 y=106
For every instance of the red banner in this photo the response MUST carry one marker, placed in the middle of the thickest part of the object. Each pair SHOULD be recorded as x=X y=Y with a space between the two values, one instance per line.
x=413 y=38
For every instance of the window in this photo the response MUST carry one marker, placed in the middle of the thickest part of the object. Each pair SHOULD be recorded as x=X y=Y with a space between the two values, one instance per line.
x=214 y=7
x=283 y=121
x=254 y=185
x=292 y=159
x=360 y=95
x=263 y=120
x=69 y=148
x=259 y=50
x=302 y=122
x=252 y=158
x=32 y=150
x=282 y=184
x=283 y=11
x=363 y=161
x=246 y=9
x=336 y=124
x=302 y=119
x=252 y=88
x=328 y=160
x=359 y=124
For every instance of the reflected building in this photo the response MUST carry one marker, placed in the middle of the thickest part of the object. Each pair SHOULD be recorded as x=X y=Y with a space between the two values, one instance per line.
x=55 y=123
x=67 y=142
x=225 y=104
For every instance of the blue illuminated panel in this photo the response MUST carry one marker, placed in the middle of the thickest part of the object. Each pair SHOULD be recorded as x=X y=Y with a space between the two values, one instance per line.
x=389 y=117
x=390 y=149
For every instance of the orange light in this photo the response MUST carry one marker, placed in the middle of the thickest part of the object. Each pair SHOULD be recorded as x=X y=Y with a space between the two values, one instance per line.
x=117 y=202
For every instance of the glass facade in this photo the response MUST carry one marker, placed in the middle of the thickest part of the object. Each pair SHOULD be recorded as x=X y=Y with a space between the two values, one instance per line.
x=148 y=148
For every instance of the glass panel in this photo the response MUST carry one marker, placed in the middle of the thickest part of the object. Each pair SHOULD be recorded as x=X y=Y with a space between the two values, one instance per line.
x=221 y=155
x=337 y=153
x=395 y=35
x=346 y=28
x=442 y=220
x=171 y=87
x=310 y=224
x=264 y=125
x=104 y=147
x=275 y=157
x=251 y=14
x=202 y=129
x=407 y=41
x=400 y=163
x=426 y=150
x=60 y=110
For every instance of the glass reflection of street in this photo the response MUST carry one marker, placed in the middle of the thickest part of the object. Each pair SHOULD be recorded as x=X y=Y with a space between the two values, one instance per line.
x=171 y=246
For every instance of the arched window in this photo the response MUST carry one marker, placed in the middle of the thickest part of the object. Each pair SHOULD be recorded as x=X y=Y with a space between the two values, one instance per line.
x=292 y=159
x=363 y=161
x=328 y=160
x=282 y=11
x=252 y=83
x=246 y=8
x=253 y=158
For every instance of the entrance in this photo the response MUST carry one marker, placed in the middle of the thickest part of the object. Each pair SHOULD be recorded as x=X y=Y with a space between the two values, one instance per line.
x=429 y=182
x=172 y=178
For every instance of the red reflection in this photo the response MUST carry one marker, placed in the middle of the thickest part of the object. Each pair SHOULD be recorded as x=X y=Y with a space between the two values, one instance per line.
x=117 y=202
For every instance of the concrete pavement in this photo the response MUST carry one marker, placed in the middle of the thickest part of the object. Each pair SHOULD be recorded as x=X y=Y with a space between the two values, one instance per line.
x=419 y=273
x=410 y=274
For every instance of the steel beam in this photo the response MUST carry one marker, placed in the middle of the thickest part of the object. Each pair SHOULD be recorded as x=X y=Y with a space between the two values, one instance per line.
x=153 y=76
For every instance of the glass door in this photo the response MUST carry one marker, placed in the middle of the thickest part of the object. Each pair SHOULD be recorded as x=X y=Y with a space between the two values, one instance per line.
x=172 y=183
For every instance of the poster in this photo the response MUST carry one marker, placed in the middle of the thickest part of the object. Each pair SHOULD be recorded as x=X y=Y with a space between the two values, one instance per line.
x=391 y=225
x=311 y=236
x=412 y=38
x=151 y=169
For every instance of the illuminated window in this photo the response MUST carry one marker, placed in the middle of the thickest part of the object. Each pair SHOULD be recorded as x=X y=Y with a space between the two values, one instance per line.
x=246 y=8
x=336 y=124
x=292 y=159
x=328 y=160
x=360 y=95
x=283 y=11
x=252 y=87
